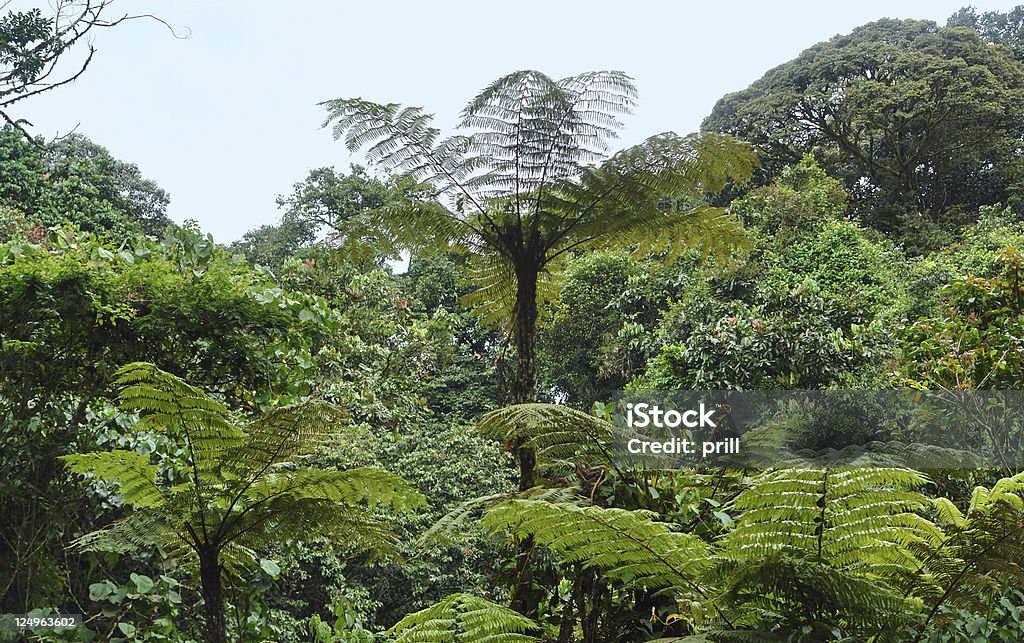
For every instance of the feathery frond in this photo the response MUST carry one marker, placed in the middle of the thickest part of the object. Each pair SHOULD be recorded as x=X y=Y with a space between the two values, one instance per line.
x=832 y=548
x=132 y=472
x=625 y=546
x=462 y=618
x=984 y=549
x=560 y=435
x=453 y=526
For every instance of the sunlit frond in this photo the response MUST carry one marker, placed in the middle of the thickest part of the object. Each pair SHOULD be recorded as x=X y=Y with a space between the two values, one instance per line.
x=461 y=618
x=629 y=547
x=561 y=436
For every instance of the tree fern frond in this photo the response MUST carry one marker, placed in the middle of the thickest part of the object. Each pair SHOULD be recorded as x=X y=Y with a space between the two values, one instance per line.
x=132 y=473
x=821 y=594
x=829 y=547
x=626 y=546
x=421 y=225
x=560 y=435
x=140 y=530
x=461 y=618
x=280 y=520
x=532 y=128
x=494 y=283
x=402 y=139
x=167 y=402
x=365 y=485
x=283 y=434
x=846 y=516
x=984 y=549
x=454 y=525
x=651 y=194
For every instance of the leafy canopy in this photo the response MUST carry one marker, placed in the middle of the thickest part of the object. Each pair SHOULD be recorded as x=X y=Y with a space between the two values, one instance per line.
x=913 y=117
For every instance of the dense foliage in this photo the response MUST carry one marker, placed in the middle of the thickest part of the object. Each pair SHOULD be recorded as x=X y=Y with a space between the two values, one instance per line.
x=288 y=439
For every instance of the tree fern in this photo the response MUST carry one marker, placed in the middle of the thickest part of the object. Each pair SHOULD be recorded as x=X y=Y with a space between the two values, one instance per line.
x=459 y=618
x=529 y=178
x=243 y=489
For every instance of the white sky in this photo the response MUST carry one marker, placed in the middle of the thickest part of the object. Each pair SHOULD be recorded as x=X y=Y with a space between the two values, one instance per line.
x=227 y=119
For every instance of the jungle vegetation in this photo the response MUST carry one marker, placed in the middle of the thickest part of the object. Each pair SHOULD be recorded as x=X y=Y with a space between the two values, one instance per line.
x=284 y=439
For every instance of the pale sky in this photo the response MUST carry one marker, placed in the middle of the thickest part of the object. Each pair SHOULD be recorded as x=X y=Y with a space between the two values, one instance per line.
x=227 y=119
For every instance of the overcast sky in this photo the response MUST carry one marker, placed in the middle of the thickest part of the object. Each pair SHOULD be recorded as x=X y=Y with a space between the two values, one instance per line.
x=227 y=119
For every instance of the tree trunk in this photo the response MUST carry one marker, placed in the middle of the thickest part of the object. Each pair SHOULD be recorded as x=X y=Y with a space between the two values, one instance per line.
x=213 y=597
x=523 y=387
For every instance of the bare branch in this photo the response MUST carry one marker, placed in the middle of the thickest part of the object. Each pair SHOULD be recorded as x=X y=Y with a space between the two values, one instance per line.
x=33 y=45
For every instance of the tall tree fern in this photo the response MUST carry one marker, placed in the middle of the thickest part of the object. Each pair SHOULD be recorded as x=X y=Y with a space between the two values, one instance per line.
x=240 y=489
x=529 y=179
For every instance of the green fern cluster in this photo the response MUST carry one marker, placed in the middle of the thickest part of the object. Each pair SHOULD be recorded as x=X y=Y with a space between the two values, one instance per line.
x=845 y=551
x=835 y=550
x=984 y=548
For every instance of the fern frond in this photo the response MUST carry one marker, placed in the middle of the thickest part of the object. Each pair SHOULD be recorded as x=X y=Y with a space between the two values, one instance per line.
x=168 y=403
x=560 y=435
x=461 y=618
x=365 y=485
x=419 y=224
x=984 y=549
x=284 y=434
x=401 y=139
x=829 y=546
x=829 y=513
x=359 y=530
x=454 y=525
x=132 y=473
x=651 y=196
x=626 y=546
x=143 y=529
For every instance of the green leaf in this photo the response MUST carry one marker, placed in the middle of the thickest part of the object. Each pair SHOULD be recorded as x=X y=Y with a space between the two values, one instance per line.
x=143 y=584
x=271 y=567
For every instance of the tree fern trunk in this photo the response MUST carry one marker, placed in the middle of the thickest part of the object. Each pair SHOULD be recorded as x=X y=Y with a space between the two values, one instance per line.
x=213 y=597
x=523 y=386
x=522 y=389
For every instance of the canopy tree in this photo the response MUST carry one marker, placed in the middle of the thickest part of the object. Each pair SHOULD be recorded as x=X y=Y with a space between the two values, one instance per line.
x=919 y=121
x=997 y=27
x=237 y=489
x=528 y=180
x=319 y=205
x=75 y=180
